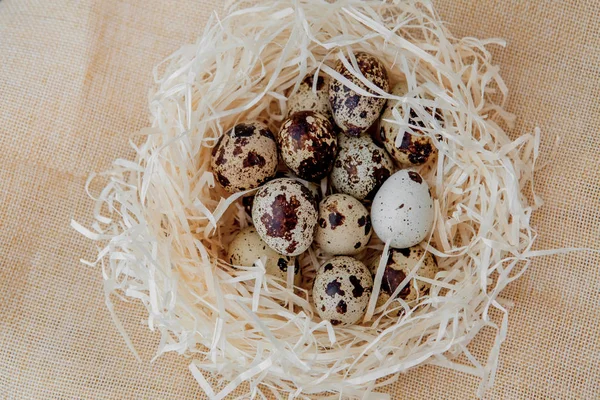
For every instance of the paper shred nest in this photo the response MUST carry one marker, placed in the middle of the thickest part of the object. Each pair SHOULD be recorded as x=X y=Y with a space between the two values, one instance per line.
x=164 y=225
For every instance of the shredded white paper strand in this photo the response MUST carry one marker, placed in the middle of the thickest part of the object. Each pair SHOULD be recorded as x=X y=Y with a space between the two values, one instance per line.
x=164 y=224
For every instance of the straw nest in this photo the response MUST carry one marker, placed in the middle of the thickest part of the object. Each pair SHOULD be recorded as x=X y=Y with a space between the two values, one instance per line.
x=165 y=225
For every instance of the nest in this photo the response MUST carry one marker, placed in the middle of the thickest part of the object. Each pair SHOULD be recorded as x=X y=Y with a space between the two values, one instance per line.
x=165 y=225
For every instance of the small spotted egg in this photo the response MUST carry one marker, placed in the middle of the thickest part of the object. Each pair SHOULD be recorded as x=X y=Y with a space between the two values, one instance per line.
x=413 y=148
x=402 y=210
x=341 y=290
x=285 y=215
x=306 y=100
x=398 y=266
x=247 y=247
x=361 y=167
x=308 y=145
x=352 y=112
x=344 y=225
x=245 y=157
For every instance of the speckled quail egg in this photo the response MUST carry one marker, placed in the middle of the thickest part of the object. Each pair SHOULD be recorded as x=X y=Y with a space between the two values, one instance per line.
x=245 y=157
x=344 y=225
x=352 y=112
x=398 y=266
x=247 y=247
x=412 y=147
x=341 y=290
x=306 y=100
x=402 y=210
x=308 y=145
x=285 y=215
x=361 y=167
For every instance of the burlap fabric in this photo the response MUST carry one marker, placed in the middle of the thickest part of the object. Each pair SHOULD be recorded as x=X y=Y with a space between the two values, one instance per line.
x=73 y=84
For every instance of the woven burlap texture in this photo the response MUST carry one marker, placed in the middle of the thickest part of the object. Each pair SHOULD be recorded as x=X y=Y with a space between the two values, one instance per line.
x=74 y=77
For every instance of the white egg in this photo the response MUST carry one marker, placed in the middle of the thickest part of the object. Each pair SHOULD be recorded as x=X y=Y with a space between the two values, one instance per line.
x=402 y=210
x=344 y=225
x=247 y=247
x=341 y=290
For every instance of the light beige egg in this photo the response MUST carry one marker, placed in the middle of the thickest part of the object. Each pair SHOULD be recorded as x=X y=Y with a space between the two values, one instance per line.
x=361 y=167
x=352 y=112
x=399 y=265
x=344 y=225
x=285 y=214
x=247 y=247
x=305 y=99
x=341 y=290
x=407 y=146
x=245 y=157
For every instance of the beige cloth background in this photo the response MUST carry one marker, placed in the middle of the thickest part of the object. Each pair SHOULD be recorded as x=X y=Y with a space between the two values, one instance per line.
x=73 y=84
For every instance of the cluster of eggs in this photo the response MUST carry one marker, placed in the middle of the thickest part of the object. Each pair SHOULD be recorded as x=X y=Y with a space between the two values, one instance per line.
x=326 y=134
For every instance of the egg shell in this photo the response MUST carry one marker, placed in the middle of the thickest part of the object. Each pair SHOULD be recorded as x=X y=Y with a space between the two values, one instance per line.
x=285 y=215
x=344 y=225
x=361 y=167
x=398 y=266
x=306 y=100
x=352 y=112
x=402 y=210
x=308 y=145
x=341 y=290
x=414 y=148
x=245 y=157
x=247 y=247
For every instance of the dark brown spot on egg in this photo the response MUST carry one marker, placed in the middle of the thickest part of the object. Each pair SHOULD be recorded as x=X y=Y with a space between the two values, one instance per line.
x=254 y=159
x=353 y=130
x=415 y=176
x=351 y=170
x=391 y=279
x=362 y=221
x=400 y=206
x=221 y=157
x=283 y=218
x=380 y=174
x=357 y=287
x=349 y=206
x=336 y=219
x=376 y=157
x=222 y=180
x=322 y=223
x=292 y=247
x=352 y=101
x=267 y=133
x=363 y=114
x=334 y=287
x=341 y=307
x=335 y=322
x=357 y=245
x=328 y=267
x=242 y=130
x=308 y=195
x=323 y=307
x=368 y=225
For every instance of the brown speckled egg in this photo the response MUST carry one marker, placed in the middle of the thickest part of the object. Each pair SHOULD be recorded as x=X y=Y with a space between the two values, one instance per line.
x=344 y=225
x=352 y=112
x=410 y=149
x=245 y=157
x=308 y=145
x=285 y=214
x=306 y=100
x=399 y=265
x=361 y=167
x=247 y=247
x=341 y=290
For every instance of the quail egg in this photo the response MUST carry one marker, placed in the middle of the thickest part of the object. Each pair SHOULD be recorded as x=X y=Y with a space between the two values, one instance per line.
x=412 y=148
x=285 y=215
x=361 y=167
x=398 y=266
x=402 y=210
x=352 y=112
x=308 y=145
x=341 y=290
x=344 y=225
x=306 y=100
x=247 y=247
x=245 y=157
